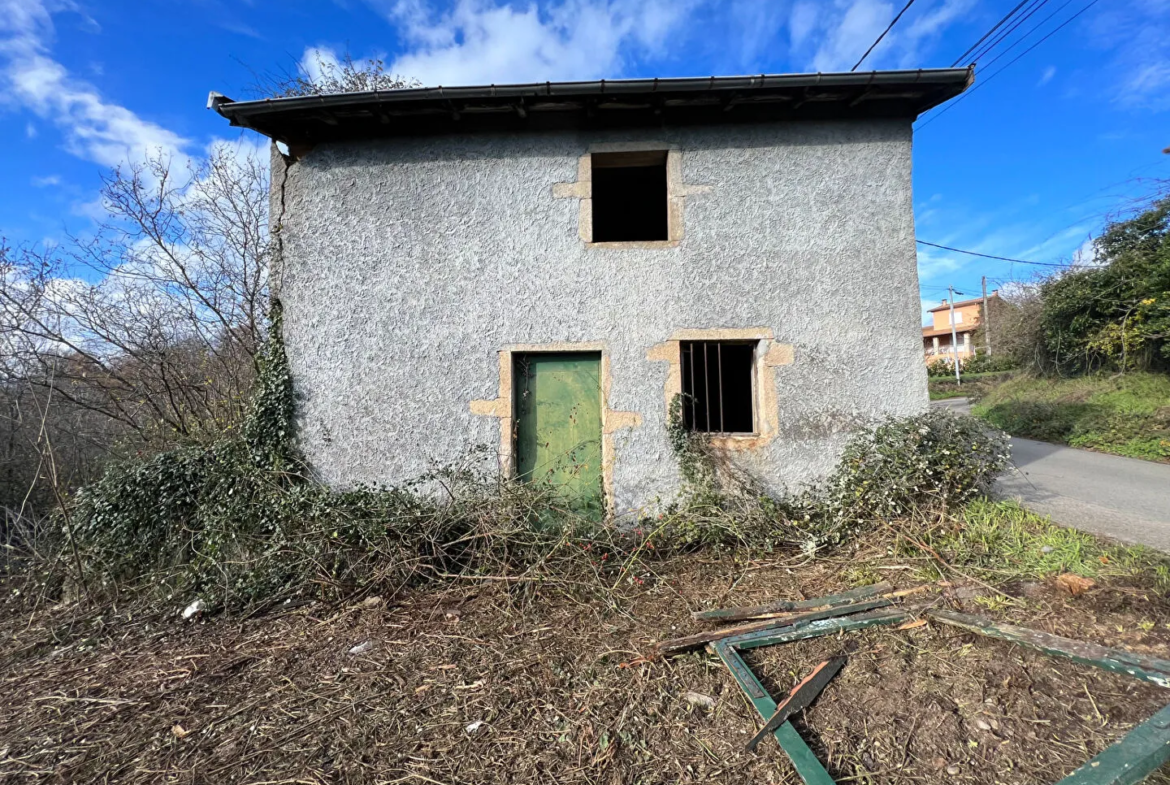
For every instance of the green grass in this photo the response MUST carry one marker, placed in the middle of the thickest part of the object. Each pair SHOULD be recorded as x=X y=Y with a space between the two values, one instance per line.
x=974 y=386
x=1002 y=541
x=1125 y=415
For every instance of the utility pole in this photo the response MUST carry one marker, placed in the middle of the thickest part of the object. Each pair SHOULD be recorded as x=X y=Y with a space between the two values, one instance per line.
x=986 y=319
x=954 y=336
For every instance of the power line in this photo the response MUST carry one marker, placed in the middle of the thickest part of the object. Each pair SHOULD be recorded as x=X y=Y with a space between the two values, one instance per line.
x=883 y=35
x=1025 y=36
x=968 y=94
x=999 y=39
x=989 y=256
x=973 y=46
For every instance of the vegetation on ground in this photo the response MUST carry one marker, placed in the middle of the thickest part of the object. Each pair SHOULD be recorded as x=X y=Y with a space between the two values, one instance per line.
x=1000 y=541
x=973 y=386
x=1121 y=414
x=1111 y=314
x=240 y=523
x=441 y=682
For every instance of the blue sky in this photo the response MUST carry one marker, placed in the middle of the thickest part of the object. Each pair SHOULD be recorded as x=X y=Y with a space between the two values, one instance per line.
x=1028 y=166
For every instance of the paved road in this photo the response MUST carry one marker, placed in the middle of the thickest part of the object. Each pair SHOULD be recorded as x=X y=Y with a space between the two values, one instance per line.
x=1123 y=498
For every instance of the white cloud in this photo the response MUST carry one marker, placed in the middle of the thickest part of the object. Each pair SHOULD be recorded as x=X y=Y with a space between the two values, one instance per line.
x=1086 y=255
x=801 y=23
x=30 y=131
x=833 y=36
x=480 y=42
x=95 y=129
x=46 y=181
x=317 y=61
x=1148 y=84
x=1046 y=77
x=1138 y=33
x=846 y=40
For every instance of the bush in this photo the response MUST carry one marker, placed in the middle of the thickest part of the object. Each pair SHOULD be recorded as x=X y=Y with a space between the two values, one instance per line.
x=907 y=464
x=988 y=363
x=978 y=363
x=240 y=522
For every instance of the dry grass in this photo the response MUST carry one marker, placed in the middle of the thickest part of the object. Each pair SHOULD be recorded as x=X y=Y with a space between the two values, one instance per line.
x=128 y=698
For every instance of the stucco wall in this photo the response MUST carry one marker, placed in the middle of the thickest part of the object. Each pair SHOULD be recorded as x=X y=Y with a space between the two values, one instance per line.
x=408 y=264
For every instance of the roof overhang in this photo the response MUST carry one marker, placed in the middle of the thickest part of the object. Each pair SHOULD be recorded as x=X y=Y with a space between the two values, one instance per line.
x=605 y=103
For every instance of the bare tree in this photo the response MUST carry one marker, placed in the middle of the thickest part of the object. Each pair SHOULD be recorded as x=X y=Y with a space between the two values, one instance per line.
x=153 y=323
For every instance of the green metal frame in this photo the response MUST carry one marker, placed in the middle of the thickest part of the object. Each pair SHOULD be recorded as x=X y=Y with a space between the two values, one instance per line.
x=1135 y=755
x=727 y=649
x=1128 y=761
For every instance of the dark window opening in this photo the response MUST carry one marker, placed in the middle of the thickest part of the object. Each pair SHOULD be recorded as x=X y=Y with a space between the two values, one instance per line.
x=717 y=386
x=629 y=197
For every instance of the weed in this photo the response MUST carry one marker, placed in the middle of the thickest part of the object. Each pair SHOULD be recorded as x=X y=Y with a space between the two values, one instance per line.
x=1002 y=540
x=1126 y=415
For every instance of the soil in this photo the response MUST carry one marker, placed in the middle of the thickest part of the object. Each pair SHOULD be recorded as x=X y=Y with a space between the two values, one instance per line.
x=502 y=682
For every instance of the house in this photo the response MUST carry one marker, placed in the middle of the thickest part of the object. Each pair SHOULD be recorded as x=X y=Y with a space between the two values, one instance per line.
x=937 y=338
x=545 y=268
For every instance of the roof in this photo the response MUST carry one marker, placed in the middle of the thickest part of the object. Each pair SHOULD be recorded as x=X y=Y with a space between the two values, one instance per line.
x=605 y=103
x=930 y=332
x=974 y=301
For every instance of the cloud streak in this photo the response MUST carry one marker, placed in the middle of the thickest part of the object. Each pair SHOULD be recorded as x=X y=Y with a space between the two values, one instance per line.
x=832 y=36
x=94 y=129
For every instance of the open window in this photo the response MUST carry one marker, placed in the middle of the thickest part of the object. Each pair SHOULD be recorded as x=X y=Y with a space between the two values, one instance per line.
x=718 y=396
x=629 y=197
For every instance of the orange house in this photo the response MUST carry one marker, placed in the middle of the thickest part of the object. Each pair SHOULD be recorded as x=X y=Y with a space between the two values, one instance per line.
x=936 y=337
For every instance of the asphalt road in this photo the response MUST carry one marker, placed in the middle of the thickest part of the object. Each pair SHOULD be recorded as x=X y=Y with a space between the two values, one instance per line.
x=1122 y=498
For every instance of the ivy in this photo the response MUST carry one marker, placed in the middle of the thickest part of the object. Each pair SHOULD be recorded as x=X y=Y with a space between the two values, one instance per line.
x=691 y=451
x=241 y=522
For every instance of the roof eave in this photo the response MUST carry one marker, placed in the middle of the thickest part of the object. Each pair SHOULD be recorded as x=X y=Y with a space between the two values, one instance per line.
x=700 y=99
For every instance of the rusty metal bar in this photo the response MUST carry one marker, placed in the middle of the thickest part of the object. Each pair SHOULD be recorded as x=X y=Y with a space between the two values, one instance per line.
x=694 y=414
x=719 y=377
x=707 y=386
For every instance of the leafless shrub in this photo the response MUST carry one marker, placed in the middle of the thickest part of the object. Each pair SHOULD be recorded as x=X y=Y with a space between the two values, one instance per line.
x=138 y=336
x=326 y=75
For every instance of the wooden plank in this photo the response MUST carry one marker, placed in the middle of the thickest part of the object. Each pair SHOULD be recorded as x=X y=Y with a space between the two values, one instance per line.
x=675 y=645
x=803 y=759
x=815 y=629
x=799 y=698
x=1146 y=668
x=1135 y=756
x=789 y=606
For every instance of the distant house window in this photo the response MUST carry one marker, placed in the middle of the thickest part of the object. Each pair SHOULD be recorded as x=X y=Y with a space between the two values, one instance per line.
x=956 y=318
x=629 y=196
x=717 y=386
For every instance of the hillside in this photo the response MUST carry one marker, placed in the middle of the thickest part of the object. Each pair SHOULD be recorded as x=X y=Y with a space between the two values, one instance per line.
x=1125 y=415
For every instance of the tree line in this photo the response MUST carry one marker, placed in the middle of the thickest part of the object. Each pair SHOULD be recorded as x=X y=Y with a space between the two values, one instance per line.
x=1109 y=315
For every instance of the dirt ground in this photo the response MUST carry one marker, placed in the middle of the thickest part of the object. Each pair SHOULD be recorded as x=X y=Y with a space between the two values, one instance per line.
x=500 y=682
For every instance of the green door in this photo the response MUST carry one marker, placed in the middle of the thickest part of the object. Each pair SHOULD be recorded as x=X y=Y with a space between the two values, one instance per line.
x=558 y=425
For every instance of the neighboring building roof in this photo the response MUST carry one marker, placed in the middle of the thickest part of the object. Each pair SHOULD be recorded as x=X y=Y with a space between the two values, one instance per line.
x=605 y=103
x=975 y=301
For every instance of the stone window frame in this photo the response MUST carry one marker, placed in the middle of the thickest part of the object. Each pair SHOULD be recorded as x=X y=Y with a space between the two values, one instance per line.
x=676 y=193
x=502 y=408
x=770 y=354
